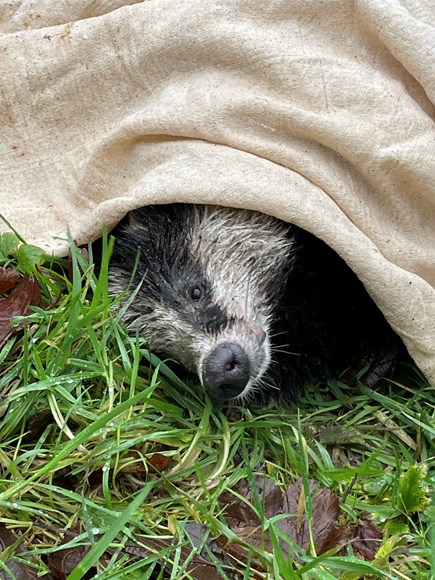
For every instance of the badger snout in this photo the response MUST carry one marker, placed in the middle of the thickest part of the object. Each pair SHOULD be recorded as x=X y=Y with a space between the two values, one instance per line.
x=226 y=371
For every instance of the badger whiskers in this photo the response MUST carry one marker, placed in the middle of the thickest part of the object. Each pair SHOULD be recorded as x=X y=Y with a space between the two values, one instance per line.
x=221 y=289
x=281 y=349
x=205 y=299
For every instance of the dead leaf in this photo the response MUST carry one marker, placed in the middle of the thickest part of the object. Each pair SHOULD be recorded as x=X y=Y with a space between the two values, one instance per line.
x=26 y=293
x=244 y=522
x=8 y=278
x=366 y=540
x=133 y=463
x=63 y=562
x=247 y=525
x=380 y=365
x=158 y=462
x=19 y=570
x=384 y=366
x=364 y=537
x=200 y=567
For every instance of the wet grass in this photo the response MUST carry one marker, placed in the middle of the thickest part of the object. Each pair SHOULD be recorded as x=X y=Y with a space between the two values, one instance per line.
x=112 y=467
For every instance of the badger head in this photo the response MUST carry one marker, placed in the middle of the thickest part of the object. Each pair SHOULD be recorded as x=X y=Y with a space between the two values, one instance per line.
x=209 y=280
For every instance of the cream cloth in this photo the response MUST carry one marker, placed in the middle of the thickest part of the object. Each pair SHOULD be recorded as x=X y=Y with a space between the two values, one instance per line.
x=319 y=112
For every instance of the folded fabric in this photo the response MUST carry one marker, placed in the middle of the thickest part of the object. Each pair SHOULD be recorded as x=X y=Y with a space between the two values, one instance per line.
x=318 y=112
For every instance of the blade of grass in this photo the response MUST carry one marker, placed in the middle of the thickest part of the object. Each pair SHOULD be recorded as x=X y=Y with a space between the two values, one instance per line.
x=78 y=440
x=103 y=543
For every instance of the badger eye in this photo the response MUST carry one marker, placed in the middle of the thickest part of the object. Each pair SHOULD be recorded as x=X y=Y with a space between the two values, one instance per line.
x=196 y=292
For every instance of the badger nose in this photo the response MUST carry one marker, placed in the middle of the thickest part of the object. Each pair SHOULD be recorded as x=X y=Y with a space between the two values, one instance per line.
x=226 y=371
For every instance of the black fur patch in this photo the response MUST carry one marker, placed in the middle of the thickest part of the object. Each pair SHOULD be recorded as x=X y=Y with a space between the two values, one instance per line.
x=322 y=314
x=325 y=317
x=156 y=245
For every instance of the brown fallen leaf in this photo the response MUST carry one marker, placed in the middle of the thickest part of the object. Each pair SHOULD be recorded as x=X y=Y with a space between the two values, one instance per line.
x=200 y=567
x=26 y=293
x=380 y=365
x=8 y=278
x=385 y=365
x=63 y=562
x=18 y=569
x=158 y=462
x=365 y=539
x=247 y=525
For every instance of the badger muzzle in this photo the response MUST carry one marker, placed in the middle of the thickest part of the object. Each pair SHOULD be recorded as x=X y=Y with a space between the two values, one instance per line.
x=226 y=371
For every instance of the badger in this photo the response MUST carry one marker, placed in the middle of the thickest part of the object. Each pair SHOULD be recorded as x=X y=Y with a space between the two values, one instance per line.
x=257 y=308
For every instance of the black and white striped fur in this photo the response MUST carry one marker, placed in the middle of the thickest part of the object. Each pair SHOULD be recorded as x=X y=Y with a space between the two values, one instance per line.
x=252 y=305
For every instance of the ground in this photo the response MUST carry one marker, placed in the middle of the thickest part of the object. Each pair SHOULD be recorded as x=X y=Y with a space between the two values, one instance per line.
x=112 y=467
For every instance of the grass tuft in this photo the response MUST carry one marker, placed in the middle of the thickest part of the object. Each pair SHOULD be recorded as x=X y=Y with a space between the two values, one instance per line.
x=109 y=461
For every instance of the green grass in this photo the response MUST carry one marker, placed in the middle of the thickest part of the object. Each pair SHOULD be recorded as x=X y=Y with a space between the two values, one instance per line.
x=127 y=470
